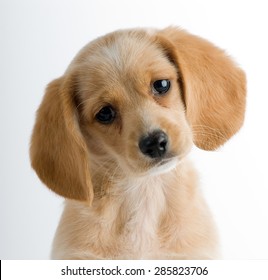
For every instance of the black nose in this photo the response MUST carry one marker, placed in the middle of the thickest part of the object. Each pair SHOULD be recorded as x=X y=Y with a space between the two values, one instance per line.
x=154 y=145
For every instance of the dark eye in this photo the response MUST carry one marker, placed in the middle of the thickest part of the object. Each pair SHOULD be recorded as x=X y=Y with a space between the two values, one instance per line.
x=161 y=86
x=106 y=115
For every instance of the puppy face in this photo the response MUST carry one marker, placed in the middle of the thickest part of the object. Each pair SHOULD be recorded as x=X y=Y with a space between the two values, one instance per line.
x=131 y=106
x=132 y=103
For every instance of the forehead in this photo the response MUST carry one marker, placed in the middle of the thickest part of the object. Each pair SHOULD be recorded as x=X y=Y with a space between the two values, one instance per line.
x=122 y=57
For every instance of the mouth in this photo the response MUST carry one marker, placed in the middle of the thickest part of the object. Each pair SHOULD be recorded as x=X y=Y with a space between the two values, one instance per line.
x=164 y=165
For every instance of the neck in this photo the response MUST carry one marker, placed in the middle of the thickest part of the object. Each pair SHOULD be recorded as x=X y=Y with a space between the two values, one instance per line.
x=132 y=208
x=133 y=217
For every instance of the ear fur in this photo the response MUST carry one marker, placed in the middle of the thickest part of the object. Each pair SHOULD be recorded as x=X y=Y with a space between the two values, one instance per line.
x=214 y=87
x=58 y=151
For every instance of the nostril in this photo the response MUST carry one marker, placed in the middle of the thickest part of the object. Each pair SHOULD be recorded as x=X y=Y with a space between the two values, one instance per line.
x=154 y=145
x=162 y=142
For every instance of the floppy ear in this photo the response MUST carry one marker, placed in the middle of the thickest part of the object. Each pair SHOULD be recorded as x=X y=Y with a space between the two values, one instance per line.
x=58 y=151
x=214 y=87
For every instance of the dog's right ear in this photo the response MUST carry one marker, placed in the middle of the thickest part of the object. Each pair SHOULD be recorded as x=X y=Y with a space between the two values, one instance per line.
x=58 y=150
x=213 y=86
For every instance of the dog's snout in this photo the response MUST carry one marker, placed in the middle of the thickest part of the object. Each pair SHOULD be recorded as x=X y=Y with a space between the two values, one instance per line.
x=154 y=145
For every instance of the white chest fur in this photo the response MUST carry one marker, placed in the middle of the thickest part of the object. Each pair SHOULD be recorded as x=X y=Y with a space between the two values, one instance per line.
x=143 y=203
x=141 y=218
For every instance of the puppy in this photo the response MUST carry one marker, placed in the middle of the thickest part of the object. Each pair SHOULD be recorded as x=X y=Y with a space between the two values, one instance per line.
x=112 y=136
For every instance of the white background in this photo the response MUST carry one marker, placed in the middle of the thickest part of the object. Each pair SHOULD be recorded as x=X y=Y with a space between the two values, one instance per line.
x=39 y=39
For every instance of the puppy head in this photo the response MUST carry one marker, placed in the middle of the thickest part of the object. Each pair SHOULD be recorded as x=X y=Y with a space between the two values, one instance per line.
x=130 y=104
x=134 y=102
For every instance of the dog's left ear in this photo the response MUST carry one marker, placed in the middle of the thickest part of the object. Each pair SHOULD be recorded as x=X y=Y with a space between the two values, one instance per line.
x=214 y=88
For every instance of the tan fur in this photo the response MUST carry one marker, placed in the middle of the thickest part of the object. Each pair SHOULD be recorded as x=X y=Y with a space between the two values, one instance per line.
x=121 y=204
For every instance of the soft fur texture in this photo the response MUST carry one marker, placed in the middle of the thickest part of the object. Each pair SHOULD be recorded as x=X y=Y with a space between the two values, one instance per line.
x=120 y=203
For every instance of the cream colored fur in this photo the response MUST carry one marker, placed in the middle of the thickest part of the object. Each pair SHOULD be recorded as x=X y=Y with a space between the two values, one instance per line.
x=120 y=203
